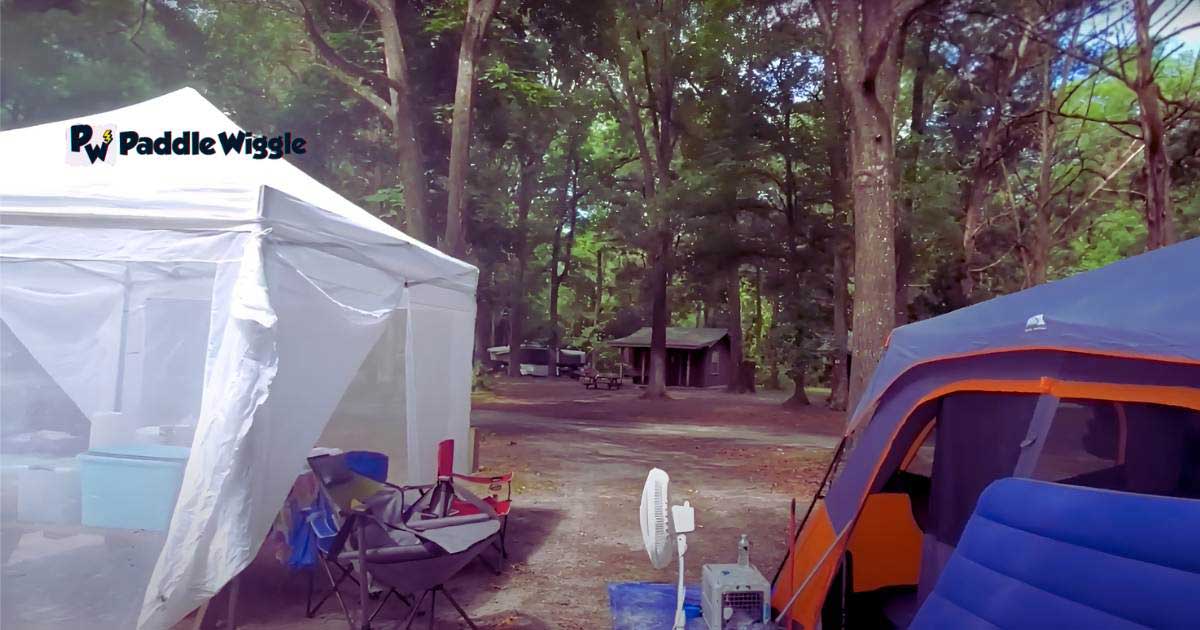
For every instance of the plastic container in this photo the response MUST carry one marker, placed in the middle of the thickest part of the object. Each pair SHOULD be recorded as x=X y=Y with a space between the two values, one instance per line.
x=49 y=493
x=368 y=464
x=131 y=487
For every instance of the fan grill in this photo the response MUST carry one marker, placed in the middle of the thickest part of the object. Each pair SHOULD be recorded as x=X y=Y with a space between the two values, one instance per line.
x=660 y=515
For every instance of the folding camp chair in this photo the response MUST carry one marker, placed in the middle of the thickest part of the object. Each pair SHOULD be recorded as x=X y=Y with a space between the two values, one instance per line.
x=399 y=537
x=322 y=525
x=495 y=485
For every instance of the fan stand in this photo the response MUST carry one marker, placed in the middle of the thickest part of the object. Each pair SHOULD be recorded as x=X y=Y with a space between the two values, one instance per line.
x=680 y=618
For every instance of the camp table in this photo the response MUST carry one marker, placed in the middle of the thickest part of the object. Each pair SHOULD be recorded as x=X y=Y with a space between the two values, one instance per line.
x=611 y=381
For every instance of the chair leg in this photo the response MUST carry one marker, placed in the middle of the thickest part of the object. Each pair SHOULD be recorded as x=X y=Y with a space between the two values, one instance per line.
x=309 y=611
x=462 y=613
x=432 y=608
x=334 y=589
x=416 y=607
x=363 y=578
x=389 y=593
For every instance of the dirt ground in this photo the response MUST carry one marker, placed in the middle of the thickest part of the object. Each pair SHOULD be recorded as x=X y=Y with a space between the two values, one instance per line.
x=580 y=458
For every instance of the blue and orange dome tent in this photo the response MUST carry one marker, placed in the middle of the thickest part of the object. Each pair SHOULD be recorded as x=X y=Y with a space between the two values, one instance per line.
x=1091 y=380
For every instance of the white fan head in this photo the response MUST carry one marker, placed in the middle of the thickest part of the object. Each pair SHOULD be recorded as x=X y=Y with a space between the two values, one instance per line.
x=655 y=533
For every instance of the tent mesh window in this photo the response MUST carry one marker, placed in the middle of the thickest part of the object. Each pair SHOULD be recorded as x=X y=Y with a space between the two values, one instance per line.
x=1082 y=441
x=1142 y=448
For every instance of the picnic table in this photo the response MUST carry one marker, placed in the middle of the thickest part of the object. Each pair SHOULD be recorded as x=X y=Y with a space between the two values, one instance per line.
x=593 y=380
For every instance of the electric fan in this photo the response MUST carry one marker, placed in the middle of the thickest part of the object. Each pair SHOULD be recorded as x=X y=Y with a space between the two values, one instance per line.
x=656 y=535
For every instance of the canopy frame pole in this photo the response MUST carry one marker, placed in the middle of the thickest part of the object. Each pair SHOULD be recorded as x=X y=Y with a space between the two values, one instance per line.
x=1035 y=437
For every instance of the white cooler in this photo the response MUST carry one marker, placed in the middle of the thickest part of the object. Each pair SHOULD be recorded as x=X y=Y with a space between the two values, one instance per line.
x=49 y=493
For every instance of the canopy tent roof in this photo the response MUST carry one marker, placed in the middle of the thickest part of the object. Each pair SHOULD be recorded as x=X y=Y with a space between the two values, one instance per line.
x=677 y=337
x=1144 y=306
x=193 y=191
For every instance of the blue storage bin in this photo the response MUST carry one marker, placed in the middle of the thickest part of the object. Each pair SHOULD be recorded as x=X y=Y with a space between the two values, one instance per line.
x=369 y=464
x=131 y=487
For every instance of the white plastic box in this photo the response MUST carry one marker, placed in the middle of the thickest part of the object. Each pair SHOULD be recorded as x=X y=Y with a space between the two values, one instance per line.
x=48 y=493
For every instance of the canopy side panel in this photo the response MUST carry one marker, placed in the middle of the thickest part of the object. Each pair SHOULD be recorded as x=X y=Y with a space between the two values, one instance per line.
x=321 y=329
x=72 y=321
x=439 y=362
x=213 y=508
x=107 y=351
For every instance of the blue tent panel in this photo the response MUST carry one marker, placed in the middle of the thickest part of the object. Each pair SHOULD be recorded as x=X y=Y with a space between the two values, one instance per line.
x=1144 y=306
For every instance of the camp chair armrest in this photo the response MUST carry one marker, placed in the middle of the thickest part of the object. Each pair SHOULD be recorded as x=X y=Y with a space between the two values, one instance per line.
x=505 y=479
x=448 y=521
x=387 y=555
x=418 y=487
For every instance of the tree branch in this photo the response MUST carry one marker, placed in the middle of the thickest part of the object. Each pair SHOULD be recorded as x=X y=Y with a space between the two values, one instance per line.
x=1136 y=149
x=899 y=14
x=346 y=69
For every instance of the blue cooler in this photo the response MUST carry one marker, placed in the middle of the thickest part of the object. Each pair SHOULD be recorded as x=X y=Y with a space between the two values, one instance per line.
x=369 y=464
x=131 y=487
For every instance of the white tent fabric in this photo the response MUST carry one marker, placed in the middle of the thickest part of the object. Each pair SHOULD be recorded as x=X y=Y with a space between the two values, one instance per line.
x=238 y=298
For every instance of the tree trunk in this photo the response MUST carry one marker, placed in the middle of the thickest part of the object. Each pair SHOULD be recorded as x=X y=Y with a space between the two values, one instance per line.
x=479 y=13
x=975 y=188
x=904 y=210
x=874 y=233
x=1160 y=224
x=660 y=310
x=483 y=316
x=660 y=92
x=757 y=334
x=799 y=397
x=599 y=305
x=865 y=37
x=400 y=115
x=567 y=197
x=737 y=350
x=839 y=381
x=555 y=279
x=659 y=317
x=516 y=337
x=770 y=352
x=982 y=173
x=1039 y=247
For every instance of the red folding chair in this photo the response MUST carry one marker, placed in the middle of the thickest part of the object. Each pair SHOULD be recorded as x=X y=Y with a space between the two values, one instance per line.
x=495 y=485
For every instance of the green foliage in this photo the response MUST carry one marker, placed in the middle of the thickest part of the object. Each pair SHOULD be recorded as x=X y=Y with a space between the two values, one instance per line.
x=749 y=181
x=1112 y=236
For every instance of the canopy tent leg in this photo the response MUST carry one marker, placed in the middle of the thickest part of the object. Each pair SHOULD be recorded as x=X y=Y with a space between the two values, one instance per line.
x=203 y=610
x=234 y=588
x=231 y=611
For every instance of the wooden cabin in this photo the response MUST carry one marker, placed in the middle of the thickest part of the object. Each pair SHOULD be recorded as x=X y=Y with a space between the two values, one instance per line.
x=696 y=357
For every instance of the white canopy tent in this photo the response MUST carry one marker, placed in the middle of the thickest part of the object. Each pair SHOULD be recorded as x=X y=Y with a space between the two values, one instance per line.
x=235 y=297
